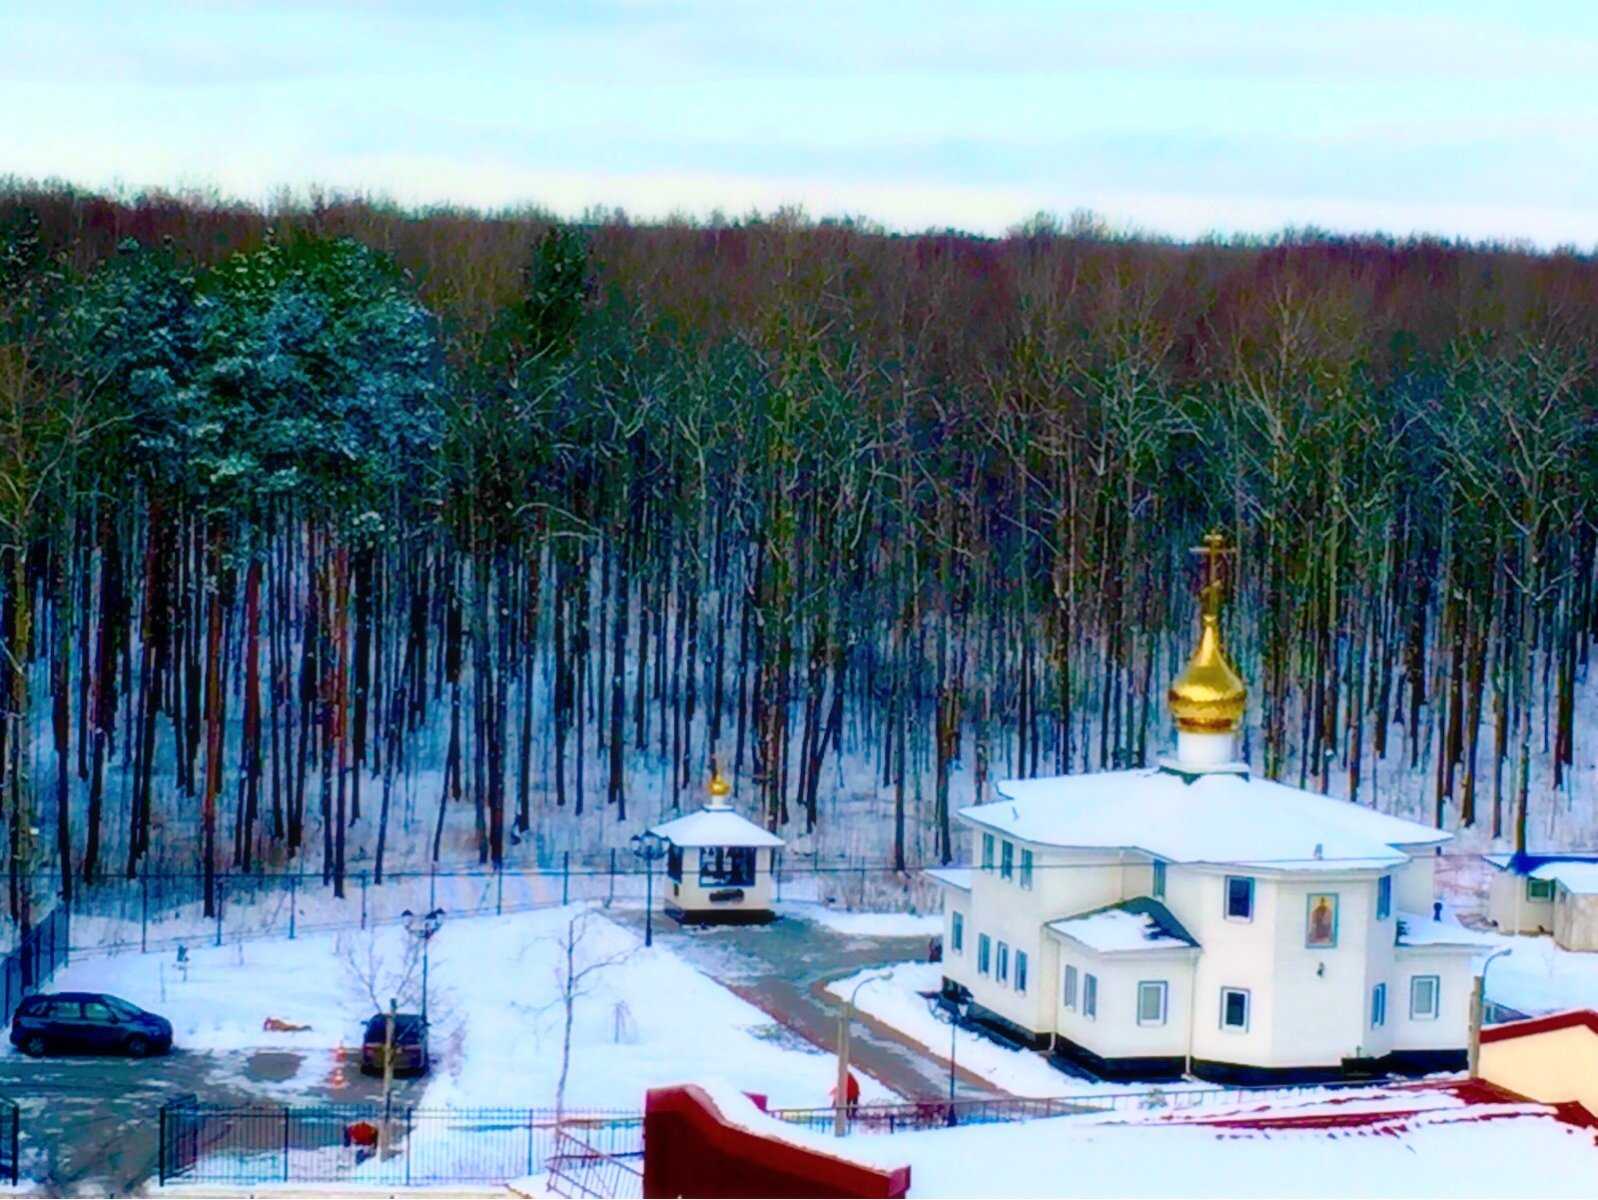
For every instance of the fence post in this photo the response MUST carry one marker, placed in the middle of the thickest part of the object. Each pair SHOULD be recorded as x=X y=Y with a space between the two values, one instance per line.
x=499 y=890
x=565 y=876
x=611 y=895
x=160 y=1153
x=776 y=869
x=363 y=899
x=285 y=1143
x=409 y=1109
x=294 y=891
x=432 y=884
x=529 y=1142
x=221 y=890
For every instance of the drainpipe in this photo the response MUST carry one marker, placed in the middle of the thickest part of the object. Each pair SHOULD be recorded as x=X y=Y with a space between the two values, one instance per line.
x=1192 y=1011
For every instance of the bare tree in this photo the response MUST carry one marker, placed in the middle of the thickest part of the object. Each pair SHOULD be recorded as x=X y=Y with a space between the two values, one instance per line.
x=576 y=972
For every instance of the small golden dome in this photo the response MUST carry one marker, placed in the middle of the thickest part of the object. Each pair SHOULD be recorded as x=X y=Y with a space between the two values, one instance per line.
x=719 y=788
x=1209 y=696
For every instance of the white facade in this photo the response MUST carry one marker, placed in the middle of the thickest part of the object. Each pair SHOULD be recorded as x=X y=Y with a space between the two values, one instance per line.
x=1294 y=959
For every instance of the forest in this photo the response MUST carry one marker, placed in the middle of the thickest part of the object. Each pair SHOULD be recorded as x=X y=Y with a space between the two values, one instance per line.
x=308 y=507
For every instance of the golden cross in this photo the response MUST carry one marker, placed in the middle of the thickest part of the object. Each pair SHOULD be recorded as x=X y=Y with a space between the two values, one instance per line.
x=1214 y=550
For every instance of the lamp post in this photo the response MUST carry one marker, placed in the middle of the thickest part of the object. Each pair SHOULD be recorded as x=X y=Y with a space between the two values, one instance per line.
x=424 y=927
x=951 y=1006
x=1478 y=1008
x=842 y=1097
x=651 y=848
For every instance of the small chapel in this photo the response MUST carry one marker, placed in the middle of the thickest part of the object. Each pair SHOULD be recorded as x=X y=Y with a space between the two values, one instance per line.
x=1193 y=919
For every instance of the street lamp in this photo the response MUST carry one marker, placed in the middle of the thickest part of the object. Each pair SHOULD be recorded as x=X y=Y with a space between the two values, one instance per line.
x=424 y=927
x=651 y=848
x=951 y=1006
x=842 y=1097
x=1478 y=1008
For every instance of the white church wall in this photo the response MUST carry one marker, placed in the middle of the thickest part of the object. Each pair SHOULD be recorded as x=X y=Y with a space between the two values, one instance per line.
x=1450 y=1029
x=1512 y=910
x=1236 y=954
x=1415 y=883
x=1114 y=1030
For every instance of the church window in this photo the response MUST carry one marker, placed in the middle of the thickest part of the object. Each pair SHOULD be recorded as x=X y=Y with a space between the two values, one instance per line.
x=1020 y=970
x=1384 y=897
x=1423 y=991
x=1006 y=860
x=1539 y=889
x=1234 y=1008
x=1158 y=887
x=1239 y=898
x=1001 y=964
x=1026 y=869
x=1378 y=1006
x=957 y=932
x=1090 y=996
x=727 y=866
x=984 y=953
x=987 y=852
x=1068 y=987
x=1152 y=995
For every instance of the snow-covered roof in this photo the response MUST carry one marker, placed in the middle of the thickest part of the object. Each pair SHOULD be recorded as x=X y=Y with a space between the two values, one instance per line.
x=1222 y=818
x=715 y=827
x=1132 y=926
x=1578 y=877
x=1417 y=930
x=955 y=877
x=1523 y=863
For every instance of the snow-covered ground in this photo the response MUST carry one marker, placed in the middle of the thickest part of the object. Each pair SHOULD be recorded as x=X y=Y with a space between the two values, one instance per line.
x=645 y=1018
x=898 y=1003
x=1536 y=976
x=1447 y=1153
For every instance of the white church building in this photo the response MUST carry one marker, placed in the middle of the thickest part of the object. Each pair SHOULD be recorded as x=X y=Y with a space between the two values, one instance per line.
x=1191 y=918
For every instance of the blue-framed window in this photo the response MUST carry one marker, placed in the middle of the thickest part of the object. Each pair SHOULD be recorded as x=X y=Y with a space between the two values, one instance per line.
x=1090 y=996
x=1006 y=860
x=1068 y=988
x=984 y=953
x=957 y=932
x=1384 y=897
x=1539 y=889
x=1026 y=870
x=1378 y=1006
x=987 y=852
x=1158 y=887
x=1020 y=970
x=1001 y=963
x=1239 y=898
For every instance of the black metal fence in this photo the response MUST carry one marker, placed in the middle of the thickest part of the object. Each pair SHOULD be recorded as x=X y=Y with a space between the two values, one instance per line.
x=9 y=1125
x=245 y=1145
x=29 y=966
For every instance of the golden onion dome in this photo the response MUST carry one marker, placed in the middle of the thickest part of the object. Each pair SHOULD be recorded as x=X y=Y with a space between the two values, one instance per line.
x=719 y=788
x=1209 y=696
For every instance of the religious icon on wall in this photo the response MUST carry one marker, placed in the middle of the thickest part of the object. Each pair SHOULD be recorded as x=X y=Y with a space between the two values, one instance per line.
x=1322 y=929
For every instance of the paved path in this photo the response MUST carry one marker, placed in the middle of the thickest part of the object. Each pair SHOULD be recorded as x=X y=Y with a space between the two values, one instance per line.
x=783 y=968
x=90 y=1124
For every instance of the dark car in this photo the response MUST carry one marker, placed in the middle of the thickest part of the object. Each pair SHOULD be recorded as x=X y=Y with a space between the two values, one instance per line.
x=88 y=1021
x=410 y=1044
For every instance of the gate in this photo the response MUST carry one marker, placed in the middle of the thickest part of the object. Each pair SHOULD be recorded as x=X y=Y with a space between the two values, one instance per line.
x=180 y=1136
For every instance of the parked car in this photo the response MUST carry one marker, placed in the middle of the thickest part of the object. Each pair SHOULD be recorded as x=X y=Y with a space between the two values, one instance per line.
x=410 y=1044
x=88 y=1021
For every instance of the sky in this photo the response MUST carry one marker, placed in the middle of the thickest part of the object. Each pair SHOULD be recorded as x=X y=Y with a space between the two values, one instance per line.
x=1462 y=119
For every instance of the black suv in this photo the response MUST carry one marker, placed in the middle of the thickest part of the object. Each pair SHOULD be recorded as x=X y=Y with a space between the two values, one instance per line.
x=90 y=1021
